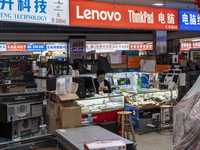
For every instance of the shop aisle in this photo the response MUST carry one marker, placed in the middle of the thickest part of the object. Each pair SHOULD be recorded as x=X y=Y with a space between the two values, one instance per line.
x=154 y=141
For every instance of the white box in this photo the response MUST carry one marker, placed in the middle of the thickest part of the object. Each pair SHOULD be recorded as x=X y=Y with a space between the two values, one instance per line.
x=105 y=145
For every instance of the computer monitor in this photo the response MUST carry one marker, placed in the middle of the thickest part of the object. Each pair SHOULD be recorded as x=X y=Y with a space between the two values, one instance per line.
x=89 y=86
x=86 y=86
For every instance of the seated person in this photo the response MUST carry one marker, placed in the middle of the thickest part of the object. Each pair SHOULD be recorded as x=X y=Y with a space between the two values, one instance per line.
x=100 y=83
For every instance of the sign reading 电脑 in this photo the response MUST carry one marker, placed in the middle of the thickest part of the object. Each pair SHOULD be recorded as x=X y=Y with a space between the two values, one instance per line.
x=98 y=14
x=35 y=11
x=189 y=20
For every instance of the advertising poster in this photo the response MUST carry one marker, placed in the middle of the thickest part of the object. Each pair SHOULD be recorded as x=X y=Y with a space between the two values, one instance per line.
x=77 y=48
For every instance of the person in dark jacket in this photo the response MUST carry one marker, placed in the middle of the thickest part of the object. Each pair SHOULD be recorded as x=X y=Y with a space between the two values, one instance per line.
x=101 y=84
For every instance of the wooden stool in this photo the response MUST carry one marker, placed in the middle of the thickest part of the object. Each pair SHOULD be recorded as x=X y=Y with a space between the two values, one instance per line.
x=166 y=118
x=124 y=118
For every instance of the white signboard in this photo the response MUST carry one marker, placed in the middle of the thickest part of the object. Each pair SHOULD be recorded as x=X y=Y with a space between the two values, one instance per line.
x=107 y=47
x=35 y=11
x=60 y=47
x=2 y=47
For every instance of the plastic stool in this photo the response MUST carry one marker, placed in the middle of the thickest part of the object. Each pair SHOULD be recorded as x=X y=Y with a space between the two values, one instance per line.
x=124 y=118
x=166 y=118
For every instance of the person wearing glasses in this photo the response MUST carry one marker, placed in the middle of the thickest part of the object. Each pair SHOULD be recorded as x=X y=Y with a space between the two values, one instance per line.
x=101 y=85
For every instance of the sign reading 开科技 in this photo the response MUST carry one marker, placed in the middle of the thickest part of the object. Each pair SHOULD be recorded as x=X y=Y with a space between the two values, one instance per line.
x=35 y=11
x=189 y=20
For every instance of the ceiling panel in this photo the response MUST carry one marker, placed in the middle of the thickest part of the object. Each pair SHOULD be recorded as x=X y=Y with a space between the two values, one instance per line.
x=174 y=4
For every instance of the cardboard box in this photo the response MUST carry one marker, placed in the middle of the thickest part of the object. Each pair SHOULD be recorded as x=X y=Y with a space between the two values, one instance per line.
x=63 y=115
x=53 y=108
x=13 y=89
x=135 y=58
x=134 y=64
x=105 y=145
x=71 y=117
x=61 y=98
x=53 y=123
x=65 y=97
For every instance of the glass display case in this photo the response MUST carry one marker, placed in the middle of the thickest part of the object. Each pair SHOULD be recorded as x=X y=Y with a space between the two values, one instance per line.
x=140 y=89
x=150 y=97
x=102 y=103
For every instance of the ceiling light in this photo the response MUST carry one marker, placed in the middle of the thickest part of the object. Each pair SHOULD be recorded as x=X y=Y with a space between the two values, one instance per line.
x=157 y=4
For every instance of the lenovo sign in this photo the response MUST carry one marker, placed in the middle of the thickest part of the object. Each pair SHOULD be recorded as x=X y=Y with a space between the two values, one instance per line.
x=98 y=14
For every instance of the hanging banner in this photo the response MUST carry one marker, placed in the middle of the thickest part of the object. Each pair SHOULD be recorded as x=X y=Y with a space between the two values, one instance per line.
x=186 y=46
x=189 y=20
x=57 y=47
x=98 y=14
x=77 y=48
x=16 y=47
x=90 y=47
x=195 y=45
x=36 y=47
x=35 y=11
x=2 y=47
x=141 y=46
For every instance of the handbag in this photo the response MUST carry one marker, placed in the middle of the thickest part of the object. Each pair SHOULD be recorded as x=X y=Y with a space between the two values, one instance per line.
x=87 y=66
x=104 y=64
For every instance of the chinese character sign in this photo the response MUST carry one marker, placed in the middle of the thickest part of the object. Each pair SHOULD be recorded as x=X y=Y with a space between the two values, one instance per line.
x=35 y=11
x=141 y=46
x=16 y=47
x=99 y=14
x=60 y=47
x=77 y=49
x=36 y=47
x=189 y=20
x=186 y=46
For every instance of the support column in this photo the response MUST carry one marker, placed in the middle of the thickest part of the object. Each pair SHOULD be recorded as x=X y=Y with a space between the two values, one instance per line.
x=160 y=41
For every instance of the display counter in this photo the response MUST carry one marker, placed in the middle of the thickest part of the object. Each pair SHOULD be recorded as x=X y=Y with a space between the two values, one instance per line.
x=150 y=97
x=102 y=108
x=102 y=103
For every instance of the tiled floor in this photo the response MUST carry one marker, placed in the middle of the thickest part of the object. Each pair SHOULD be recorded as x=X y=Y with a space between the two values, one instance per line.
x=154 y=141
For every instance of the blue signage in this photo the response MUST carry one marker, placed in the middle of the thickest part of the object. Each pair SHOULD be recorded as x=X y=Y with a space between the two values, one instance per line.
x=36 y=47
x=35 y=11
x=189 y=20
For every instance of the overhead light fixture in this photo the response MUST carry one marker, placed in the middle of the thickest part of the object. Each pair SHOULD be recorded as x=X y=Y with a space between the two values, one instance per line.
x=157 y=4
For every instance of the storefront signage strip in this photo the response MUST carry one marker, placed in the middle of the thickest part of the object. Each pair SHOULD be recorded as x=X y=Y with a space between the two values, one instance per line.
x=189 y=20
x=16 y=47
x=35 y=11
x=189 y=45
x=36 y=47
x=98 y=14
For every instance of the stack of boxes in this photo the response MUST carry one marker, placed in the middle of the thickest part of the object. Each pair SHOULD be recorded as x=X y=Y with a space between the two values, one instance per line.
x=130 y=58
x=63 y=112
x=162 y=68
x=134 y=62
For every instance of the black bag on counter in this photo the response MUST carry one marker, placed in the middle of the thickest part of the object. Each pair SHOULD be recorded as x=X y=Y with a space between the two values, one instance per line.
x=87 y=66
x=104 y=64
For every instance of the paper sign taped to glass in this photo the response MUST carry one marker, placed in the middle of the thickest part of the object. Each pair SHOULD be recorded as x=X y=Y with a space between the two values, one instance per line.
x=187 y=120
